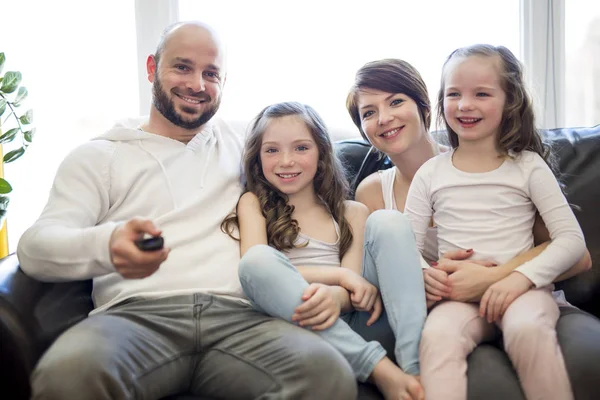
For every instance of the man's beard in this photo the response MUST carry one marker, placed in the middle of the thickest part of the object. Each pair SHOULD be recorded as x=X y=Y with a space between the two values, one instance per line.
x=165 y=106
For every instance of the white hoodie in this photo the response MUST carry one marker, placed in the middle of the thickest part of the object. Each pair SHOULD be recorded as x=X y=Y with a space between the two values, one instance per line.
x=186 y=190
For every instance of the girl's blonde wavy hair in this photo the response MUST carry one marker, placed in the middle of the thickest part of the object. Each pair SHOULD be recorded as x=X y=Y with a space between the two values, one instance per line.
x=329 y=182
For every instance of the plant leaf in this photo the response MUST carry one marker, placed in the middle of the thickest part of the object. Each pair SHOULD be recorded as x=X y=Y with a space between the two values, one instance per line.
x=2 y=106
x=21 y=95
x=14 y=155
x=29 y=135
x=2 y=59
x=27 y=118
x=9 y=135
x=5 y=186
x=10 y=82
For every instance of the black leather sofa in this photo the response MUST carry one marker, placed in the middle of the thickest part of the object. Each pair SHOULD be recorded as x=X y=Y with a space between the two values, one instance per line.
x=33 y=313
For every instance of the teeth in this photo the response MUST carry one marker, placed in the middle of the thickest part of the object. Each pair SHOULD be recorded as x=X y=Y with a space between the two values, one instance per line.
x=390 y=133
x=469 y=120
x=287 y=176
x=190 y=100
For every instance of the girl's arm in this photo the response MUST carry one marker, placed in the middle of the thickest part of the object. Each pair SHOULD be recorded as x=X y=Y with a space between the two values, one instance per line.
x=356 y=215
x=252 y=224
x=542 y=238
x=418 y=207
x=567 y=246
x=363 y=295
x=253 y=231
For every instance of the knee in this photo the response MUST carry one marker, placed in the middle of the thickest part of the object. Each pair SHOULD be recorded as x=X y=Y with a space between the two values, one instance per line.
x=328 y=373
x=437 y=341
x=255 y=263
x=526 y=335
x=73 y=374
x=386 y=222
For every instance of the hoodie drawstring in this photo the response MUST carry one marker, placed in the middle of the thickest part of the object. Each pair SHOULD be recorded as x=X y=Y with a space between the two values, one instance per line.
x=162 y=167
x=213 y=142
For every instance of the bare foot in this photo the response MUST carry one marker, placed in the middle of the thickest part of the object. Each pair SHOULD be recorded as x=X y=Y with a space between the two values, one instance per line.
x=394 y=384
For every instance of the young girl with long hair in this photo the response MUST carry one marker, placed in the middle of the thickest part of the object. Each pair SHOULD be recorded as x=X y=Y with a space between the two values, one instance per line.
x=309 y=255
x=483 y=194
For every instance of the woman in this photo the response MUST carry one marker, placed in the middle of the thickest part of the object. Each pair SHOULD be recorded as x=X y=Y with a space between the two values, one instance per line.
x=390 y=106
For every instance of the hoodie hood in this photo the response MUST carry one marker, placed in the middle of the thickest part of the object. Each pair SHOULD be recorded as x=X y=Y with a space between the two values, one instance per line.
x=129 y=129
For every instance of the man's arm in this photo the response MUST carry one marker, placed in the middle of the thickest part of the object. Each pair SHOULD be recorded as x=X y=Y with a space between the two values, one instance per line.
x=66 y=243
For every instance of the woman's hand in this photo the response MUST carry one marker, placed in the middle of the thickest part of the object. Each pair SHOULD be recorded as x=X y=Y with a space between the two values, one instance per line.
x=468 y=279
x=501 y=294
x=436 y=285
x=320 y=308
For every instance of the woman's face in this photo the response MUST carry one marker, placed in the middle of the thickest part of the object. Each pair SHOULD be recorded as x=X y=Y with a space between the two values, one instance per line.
x=391 y=121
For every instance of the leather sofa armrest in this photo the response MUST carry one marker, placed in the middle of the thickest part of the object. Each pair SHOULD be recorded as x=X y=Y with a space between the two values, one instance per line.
x=18 y=345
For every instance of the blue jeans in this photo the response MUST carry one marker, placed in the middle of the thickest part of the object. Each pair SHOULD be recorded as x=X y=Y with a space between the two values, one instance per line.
x=391 y=262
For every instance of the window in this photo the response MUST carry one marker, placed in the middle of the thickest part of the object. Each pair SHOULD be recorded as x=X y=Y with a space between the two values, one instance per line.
x=309 y=51
x=582 y=48
x=81 y=73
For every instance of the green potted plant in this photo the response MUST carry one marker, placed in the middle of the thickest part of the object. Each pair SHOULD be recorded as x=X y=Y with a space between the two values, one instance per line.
x=13 y=125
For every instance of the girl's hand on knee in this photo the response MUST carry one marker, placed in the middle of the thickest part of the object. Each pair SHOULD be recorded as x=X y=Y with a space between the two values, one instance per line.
x=320 y=308
x=376 y=311
x=501 y=294
x=363 y=294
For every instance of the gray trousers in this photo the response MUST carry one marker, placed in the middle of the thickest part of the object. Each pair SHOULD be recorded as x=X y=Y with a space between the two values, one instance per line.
x=197 y=344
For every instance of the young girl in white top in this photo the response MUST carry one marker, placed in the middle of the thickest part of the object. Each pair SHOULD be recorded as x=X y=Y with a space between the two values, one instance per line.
x=309 y=255
x=484 y=194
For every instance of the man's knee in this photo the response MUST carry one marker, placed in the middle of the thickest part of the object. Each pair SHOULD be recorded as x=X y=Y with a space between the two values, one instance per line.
x=75 y=374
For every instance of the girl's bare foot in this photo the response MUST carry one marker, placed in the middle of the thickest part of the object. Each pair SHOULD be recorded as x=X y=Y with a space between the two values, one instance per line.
x=394 y=384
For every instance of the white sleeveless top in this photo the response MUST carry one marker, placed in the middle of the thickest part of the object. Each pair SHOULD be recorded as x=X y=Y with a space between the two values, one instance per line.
x=388 y=176
x=316 y=253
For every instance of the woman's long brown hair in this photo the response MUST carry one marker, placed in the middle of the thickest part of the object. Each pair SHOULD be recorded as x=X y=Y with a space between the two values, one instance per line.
x=329 y=182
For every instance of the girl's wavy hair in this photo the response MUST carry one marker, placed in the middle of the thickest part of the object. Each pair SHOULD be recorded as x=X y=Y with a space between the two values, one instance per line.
x=329 y=182
x=517 y=129
x=389 y=75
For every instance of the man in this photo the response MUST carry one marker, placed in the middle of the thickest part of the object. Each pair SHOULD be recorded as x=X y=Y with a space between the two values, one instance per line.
x=172 y=320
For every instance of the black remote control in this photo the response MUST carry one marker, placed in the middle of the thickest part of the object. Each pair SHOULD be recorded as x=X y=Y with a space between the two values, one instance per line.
x=150 y=244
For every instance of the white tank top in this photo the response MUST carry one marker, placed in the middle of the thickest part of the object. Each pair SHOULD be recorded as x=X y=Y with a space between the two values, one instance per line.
x=388 y=176
x=316 y=252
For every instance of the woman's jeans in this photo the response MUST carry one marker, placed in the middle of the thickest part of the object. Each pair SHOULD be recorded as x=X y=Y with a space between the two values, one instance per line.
x=391 y=262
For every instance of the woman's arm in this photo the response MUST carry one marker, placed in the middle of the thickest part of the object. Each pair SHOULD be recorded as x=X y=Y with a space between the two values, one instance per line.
x=469 y=281
x=369 y=192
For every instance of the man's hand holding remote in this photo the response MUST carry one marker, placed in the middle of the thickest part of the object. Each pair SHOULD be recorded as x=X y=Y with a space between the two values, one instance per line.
x=127 y=246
